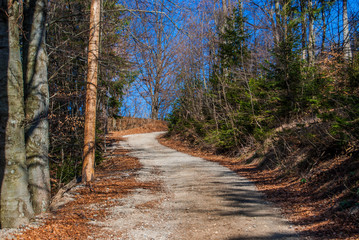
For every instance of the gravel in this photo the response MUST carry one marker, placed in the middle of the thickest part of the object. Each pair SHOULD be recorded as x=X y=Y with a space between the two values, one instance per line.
x=198 y=200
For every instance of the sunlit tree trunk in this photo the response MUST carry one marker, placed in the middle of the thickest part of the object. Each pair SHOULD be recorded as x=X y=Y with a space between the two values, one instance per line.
x=347 y=48
x=91 y=91
x=278 y=32
x=36 y=104
x=224 y=8
x=15 y=205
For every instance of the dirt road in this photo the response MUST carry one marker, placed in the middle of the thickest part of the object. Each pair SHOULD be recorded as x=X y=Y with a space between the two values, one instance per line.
x=198 y=200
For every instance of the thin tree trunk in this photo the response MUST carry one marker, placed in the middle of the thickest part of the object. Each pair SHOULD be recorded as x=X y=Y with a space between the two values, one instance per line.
x=324 y=32
x=311 y=42
x=91 y=92
x=278 y=32
x=223 y=19
x=240 y=10
x=229 y=7
x=304 y=29
x=285 y=15
x=15 y=204
x=36 y=104
x=224 y=8
x=347 y=48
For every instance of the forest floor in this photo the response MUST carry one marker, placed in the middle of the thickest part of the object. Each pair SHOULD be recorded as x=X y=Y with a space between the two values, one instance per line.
x=137 y=196
x=154 y=192
x=73 y=214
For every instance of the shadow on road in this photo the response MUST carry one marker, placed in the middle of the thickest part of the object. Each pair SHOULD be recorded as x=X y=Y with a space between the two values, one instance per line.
x=275 y=236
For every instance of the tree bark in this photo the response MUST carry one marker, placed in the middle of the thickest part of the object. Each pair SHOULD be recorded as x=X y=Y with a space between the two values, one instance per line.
x=154 y=106
x=278 y=33
x=304 y=28
x=36 y=104
x=311 y=42
x=15 y=205
x=91 y=92
x=323 y=5
x=346 y=39
x=225 y=9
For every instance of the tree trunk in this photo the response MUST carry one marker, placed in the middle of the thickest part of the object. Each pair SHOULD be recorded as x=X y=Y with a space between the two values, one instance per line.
x=158 y=69
x=36 y=104
x=324 y=25
x=91 y=92
x=154 y=107
x=304 y=28
x=15 y=205
x=311 y=42
x=346 y=39
x=278 y=33
x=225 y=9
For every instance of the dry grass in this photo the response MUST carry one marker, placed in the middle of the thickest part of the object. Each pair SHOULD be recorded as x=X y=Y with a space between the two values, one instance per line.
x=128 y=125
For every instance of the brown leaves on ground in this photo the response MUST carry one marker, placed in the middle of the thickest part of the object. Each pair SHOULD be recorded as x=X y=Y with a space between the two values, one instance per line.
x=115 y=178
x=315 y=216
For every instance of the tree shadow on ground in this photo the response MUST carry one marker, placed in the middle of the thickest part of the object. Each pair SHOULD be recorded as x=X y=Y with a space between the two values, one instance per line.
x=325 y=206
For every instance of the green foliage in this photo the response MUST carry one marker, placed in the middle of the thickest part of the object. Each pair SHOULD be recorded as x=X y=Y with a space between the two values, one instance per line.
x=232 y=48
x=286 y=74
x=239 y=107
x=353 y=72
x=303 y=180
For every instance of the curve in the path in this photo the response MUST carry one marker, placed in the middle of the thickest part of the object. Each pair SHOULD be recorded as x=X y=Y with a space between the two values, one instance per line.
x=200 y=200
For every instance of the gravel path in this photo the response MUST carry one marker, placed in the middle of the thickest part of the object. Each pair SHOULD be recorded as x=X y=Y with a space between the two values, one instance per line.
x=199 y=200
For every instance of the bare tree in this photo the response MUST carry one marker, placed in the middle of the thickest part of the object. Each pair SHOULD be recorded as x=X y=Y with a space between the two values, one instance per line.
x=36 y=104
x=304 y=28
x=278 y=32
x=311 y=42
x=346 y=39
x=91 y=91
x=324 y=22
x=155 y=45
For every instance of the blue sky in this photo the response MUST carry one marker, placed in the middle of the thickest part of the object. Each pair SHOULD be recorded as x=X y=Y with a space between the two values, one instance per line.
x=134 y=105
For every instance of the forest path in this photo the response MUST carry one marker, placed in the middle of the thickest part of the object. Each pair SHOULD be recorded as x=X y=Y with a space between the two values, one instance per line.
x=197 y=200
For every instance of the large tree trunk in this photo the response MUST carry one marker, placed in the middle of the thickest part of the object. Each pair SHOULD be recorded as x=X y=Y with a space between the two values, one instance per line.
x=16 y=208
x=347 y=48
x=155 y=105
x=36 y=104
x=91 y=92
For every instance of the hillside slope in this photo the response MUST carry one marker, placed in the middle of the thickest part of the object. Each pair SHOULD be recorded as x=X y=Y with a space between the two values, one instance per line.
x=301 y=168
